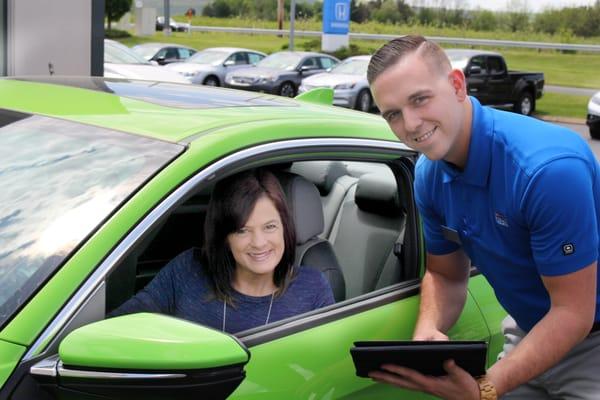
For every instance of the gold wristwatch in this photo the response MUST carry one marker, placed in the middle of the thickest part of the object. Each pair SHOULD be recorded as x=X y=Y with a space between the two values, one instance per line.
x=487 y=389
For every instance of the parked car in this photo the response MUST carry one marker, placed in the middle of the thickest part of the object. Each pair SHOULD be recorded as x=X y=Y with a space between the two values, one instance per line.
x=122 y=62
x=164 y=53
x=106 y=180
x=593 y=116
x=209 y=66
x=175 y=26
x=349 y=82
x=280 y=73
x=490 y=81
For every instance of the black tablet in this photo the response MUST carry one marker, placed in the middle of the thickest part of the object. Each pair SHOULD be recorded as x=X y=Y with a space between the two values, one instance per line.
x=426 y=357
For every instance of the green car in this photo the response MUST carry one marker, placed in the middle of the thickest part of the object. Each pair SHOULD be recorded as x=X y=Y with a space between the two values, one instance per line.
x=104 y=181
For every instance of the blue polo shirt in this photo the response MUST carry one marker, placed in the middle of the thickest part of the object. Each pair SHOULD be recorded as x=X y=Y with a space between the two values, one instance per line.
x=526 y=205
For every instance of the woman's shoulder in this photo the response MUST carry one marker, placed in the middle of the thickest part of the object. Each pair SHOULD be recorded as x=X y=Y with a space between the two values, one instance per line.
x=309 y=275
x=185 y=263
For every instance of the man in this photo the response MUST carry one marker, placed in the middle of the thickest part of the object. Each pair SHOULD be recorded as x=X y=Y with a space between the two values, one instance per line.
x=514 y=196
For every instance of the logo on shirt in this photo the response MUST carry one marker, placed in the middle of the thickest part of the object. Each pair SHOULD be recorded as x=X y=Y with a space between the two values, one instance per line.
x=501 y=219
x=568 y=249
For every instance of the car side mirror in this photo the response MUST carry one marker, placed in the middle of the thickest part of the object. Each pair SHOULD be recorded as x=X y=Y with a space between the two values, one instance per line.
x=229 y=63
x=160 y=60
x=144 y=356
x=474 y=70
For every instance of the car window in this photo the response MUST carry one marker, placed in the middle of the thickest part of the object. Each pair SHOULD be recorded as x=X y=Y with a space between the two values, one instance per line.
x=352 y=67
x=254 y=57
x=172 y=53
x=327 y=62
x=311 y=63
x=65 y=178
x=238 y=58
x=117 y=53
x=282 y=60
x=363 y=220
x=495 y=65
x=185 y=53
x=161 y=53
x=478 y=61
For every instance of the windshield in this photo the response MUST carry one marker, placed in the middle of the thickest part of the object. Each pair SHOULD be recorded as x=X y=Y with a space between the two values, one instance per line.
x=60 y=181
x=286 y=61
x=146 y=51
x=120 y=54
x=352 y=67
x=208 y=57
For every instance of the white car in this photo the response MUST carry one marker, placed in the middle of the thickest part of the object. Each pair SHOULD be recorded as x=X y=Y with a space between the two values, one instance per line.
x=593 y=116
x=210 y=66
x=348 y=80
x=122 y=62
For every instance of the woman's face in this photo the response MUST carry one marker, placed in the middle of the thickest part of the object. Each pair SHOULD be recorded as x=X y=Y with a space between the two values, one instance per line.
x=259 y=245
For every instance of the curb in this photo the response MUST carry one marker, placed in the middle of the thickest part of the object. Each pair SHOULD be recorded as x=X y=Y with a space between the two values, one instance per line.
x=565 y=120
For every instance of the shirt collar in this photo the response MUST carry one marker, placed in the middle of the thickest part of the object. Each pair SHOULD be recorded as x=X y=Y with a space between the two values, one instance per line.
x=477 y=169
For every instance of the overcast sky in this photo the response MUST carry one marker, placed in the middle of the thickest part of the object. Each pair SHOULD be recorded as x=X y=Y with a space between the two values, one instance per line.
x=502 y=5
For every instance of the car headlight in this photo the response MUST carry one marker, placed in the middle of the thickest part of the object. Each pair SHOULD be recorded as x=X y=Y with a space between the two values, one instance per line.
x=266 y=79
x=344 y=86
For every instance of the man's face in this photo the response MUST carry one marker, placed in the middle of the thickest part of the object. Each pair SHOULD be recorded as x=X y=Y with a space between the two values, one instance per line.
x=424 y=106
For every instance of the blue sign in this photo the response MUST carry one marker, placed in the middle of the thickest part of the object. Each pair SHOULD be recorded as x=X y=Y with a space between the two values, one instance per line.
x=336 y=17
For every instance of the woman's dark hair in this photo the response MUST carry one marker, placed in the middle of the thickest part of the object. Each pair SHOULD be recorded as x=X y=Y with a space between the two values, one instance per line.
x=232 y=201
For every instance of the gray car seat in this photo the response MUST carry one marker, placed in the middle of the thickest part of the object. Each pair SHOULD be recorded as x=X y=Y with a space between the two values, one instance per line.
x=366 y=232
x=311 y=250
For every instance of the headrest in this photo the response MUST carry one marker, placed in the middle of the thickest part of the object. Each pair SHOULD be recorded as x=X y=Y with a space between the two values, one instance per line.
x=322 y=173
x=377 y=193
x=305 y=205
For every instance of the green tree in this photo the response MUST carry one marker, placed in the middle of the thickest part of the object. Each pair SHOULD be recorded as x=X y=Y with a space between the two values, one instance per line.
x=483 y=20
x=115 y=9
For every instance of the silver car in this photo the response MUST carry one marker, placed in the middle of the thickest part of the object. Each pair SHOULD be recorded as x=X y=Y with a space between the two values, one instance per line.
x=348 y=81
x=209 y=66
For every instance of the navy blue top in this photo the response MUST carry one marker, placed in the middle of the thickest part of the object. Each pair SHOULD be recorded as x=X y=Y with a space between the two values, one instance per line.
x=526 y=205
x=181 y=289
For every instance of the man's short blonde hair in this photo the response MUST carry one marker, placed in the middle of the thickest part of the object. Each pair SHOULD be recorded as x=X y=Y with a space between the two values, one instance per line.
x=393 y=51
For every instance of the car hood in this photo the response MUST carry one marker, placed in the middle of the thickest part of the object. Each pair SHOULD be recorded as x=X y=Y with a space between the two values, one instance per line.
x=143 y=72
x=255 y=72
x=190 y=67
x=328 y=79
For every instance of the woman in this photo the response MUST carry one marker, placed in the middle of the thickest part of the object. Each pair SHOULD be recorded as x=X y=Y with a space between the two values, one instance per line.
x=244 y=276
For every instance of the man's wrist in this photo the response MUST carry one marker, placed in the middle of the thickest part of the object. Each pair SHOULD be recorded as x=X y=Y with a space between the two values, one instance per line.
x=487 y=390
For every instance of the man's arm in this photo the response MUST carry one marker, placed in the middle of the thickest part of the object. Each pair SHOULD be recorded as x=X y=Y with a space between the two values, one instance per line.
x=443 y=294
x=571 y=315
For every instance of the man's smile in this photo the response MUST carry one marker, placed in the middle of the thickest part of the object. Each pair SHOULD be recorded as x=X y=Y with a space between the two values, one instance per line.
x=425 y=136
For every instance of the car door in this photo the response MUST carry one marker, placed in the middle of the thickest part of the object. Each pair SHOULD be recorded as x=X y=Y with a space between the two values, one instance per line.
x=500 y=86
x=303 y=357
x=309 y=66
x=477 y=78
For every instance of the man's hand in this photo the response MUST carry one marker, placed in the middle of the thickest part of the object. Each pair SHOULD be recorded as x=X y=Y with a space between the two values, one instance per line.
x=429 y=334
x=457 y=385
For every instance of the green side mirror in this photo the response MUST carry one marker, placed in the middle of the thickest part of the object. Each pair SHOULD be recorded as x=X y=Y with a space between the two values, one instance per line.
x=144 y=356
x=320 y=95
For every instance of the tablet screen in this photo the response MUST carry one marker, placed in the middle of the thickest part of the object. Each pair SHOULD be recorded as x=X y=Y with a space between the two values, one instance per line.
x=427 y=357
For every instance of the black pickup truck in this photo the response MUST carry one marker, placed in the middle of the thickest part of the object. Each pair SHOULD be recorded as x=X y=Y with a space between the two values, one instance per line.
x=492 y=83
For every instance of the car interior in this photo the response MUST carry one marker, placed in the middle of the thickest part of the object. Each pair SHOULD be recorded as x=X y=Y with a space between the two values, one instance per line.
x=350 y=221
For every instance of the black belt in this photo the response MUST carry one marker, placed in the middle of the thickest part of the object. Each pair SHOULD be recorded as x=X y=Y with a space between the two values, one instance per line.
x=595 y=327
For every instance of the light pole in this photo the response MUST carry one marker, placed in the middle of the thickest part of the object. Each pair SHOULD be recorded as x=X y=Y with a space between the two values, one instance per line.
x=292 y=19
x=167 y=23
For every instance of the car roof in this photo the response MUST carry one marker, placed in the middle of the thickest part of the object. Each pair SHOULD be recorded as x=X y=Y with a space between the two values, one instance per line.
x=179 y=113
x=471 y=52
x=231 y=49
x=159 y=44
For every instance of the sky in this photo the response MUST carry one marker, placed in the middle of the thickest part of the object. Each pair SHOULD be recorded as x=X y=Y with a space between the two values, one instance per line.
x=503 y=5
